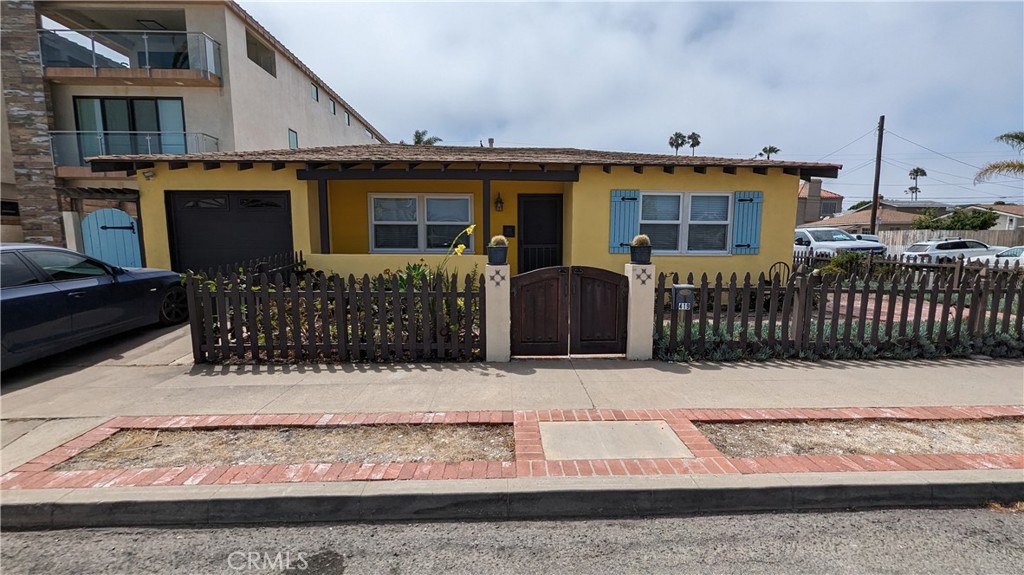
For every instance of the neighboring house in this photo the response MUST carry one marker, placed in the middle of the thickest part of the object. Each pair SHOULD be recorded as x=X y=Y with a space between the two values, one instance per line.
x=813 y=203
x=1011 y=216
x=88 y=79
x=892 y=215
x=365 y=209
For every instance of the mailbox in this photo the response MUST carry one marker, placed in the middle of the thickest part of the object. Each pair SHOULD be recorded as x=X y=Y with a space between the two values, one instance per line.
x=682 y=296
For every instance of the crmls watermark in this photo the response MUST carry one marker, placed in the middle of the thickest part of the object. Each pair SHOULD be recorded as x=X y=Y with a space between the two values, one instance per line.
x=250 y=561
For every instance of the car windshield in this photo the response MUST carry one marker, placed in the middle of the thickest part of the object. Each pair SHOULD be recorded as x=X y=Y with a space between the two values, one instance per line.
x=918 y=248
x=831 y=236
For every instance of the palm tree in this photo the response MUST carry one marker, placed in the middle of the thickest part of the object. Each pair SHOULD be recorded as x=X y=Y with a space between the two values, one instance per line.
x=914 y=175
x=677 y=140
x=1004 y=167
x=768 y=151
x=420 y=138
x=694 y=140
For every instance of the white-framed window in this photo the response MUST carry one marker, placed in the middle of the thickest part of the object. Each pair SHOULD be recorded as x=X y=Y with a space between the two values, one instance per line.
x=687 y=223
x=419 y=222
x=369 y=134
x=315 y=92
x=293 y=140
x=334 y=108
x=348 y=118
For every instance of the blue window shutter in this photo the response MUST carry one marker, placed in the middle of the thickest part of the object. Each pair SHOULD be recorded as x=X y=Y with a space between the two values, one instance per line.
x=625 y=220
x=746 y=224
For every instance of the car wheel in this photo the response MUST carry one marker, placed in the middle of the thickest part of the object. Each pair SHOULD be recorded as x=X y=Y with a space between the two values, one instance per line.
x=174 y=307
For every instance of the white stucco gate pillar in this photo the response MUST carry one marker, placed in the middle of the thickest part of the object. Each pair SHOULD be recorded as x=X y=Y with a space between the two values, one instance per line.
x=498 y=324
x=640 y=320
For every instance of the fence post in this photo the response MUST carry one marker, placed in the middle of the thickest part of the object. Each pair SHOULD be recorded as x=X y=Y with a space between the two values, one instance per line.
x=195 y=318
x=979 y=304
x=498 y=316
x=640 y=315
x=799 y=316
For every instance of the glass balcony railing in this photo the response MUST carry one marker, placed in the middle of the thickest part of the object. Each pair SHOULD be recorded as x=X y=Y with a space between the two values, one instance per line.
x=71 y=148
x=130 y=49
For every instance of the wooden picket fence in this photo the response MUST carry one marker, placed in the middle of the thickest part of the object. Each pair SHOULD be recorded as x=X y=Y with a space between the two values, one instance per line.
x=284 y=263
x=814 y=316
x=920 y=270
x=327 y=318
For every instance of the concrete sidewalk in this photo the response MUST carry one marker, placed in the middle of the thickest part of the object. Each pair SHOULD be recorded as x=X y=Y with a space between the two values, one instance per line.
x=45 y=406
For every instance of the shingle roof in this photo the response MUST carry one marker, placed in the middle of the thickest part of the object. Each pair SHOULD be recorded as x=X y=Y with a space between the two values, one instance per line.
x=824 y=193
x=863 y=218
x=1011 y=209
x=392 y=153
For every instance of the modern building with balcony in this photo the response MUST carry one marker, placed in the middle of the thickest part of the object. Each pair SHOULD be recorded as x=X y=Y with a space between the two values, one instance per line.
x=84 y=79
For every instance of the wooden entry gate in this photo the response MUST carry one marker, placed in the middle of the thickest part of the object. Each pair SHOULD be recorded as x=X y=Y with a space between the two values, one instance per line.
x=569 y=310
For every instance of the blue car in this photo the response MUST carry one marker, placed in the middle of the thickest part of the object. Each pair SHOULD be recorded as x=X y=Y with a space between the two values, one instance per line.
x=52 y=300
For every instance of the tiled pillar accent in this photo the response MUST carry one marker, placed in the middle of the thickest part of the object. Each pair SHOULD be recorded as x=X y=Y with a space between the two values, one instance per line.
x=640 y=324
x=498 y=328
x=29 y=118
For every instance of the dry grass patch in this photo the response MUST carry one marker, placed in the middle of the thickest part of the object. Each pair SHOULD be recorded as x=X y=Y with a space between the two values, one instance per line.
x=286 y=445
x=866 y=437
x=1015 y=507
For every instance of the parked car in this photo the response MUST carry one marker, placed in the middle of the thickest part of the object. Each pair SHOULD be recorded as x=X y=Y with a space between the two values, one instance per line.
x=52 y=299
x=1009 y=257
x=944 y=250
x=830 y=242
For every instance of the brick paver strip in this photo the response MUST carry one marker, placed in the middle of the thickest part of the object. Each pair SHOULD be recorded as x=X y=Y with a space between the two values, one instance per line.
x=530 y=460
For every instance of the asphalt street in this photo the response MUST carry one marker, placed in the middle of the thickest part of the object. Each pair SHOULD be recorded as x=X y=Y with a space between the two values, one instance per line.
x=891 y=541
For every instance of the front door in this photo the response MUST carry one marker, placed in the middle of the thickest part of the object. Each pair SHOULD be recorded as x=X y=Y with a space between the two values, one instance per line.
x=540 y=231
x=569 y=310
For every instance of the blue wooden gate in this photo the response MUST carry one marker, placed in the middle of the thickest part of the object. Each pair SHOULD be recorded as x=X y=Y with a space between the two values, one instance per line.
x=112 y=235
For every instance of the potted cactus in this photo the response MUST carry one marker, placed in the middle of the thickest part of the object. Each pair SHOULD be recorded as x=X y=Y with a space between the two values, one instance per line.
x=497 y=251
x=640 y=250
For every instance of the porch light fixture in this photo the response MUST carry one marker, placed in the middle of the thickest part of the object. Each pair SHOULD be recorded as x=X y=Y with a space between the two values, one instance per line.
x=499 y=205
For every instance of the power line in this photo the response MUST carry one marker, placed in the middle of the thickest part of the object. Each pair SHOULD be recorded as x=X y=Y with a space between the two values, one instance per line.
x=949 y=183
x=968 y=178
x=936 y=152
x=852 y=170
x=866 y=134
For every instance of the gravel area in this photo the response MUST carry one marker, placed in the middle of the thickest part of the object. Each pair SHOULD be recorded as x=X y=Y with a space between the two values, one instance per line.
x=866 y=437
x=285 y=445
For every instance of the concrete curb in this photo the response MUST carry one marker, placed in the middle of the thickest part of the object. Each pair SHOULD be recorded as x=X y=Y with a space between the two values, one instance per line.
x=499 y=499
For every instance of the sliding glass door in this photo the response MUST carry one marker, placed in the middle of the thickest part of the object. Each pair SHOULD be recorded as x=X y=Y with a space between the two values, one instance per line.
x=109 y=126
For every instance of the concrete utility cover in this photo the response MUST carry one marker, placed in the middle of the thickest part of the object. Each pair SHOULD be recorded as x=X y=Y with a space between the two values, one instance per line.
x=610 y=440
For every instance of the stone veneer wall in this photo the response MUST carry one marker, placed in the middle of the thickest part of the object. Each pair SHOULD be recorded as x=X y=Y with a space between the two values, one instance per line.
x=29 y=117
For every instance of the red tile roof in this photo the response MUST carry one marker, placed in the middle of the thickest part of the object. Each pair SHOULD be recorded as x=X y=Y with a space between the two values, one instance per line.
x=824 y=193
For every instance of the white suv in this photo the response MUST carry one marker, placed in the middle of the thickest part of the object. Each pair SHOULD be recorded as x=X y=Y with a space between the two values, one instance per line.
x=948 y=249
x=831 y=241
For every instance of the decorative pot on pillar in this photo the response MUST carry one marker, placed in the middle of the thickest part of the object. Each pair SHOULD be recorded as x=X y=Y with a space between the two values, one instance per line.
x=497 y=251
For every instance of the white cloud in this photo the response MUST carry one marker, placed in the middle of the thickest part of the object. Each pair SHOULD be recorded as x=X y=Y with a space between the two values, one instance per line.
x=806 y=77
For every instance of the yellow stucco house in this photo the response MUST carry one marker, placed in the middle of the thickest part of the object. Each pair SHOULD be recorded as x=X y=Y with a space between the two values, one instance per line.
x=367 y=208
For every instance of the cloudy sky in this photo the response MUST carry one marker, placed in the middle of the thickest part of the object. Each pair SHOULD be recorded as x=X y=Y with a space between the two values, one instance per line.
x=809 y=78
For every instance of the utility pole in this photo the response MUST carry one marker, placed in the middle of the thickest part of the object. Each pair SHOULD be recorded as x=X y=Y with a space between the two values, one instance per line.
x=878 y=174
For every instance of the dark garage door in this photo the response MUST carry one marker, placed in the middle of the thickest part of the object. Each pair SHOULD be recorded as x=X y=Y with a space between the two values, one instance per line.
x=209 y=229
